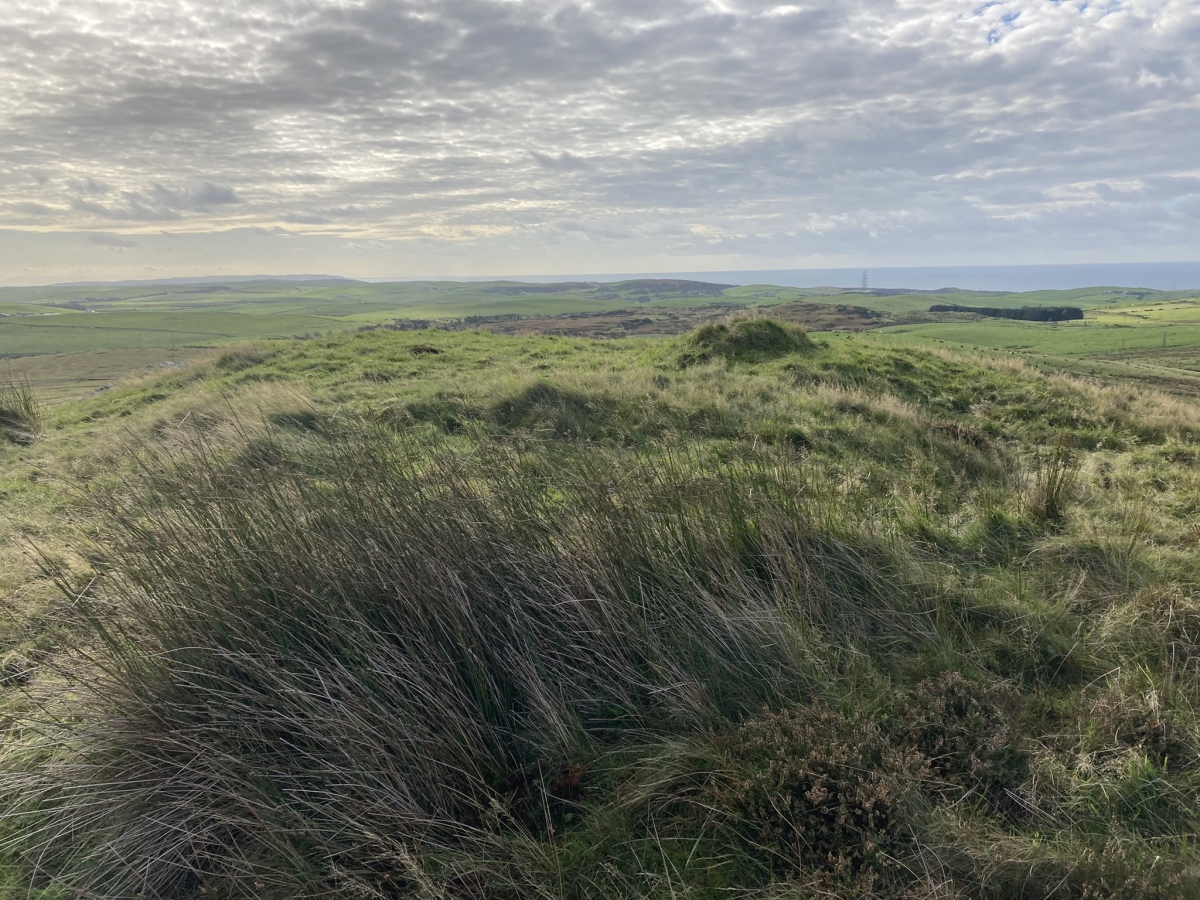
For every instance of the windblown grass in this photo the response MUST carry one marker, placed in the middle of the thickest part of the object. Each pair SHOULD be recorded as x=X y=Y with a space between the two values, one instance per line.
x=413 y=640
x=21 y=412
x=840 y=622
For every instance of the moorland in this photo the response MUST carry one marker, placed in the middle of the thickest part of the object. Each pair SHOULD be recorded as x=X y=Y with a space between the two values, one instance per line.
x=76 y=339
x=655 y=589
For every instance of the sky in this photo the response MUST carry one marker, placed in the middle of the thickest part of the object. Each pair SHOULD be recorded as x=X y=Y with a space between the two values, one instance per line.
x=379 y=138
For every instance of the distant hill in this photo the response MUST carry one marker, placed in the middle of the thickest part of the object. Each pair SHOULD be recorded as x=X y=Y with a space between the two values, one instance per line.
x=674 y=286
x=204 y=279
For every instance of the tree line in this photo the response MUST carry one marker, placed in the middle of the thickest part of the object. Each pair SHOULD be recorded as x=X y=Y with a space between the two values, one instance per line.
x=1025 y=313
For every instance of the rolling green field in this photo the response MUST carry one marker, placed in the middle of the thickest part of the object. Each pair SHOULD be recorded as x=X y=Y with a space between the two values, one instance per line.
x=90 y=330
x=76 y=323
x=1105 y=332
x=1154 y=341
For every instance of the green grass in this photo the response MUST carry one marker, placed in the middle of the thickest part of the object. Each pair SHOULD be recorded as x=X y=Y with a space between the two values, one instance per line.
x=744 y=340
x=743 y=612
x=1088 y=337
x=1122 y=327
x=21 y=412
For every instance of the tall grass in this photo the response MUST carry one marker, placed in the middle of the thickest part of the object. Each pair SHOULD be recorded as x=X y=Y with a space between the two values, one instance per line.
x=836 y=642
x=21 y=411
x=1055 y=476
x=375 y=650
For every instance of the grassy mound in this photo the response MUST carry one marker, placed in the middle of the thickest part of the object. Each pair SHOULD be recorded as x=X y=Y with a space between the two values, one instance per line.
x=546 y=408
x=857 y=621
x=743 y=340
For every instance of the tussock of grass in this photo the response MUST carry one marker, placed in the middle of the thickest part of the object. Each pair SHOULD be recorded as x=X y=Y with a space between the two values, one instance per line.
x=552 y=410
x=1054 y=479
x=21 y=412
x=743 y=340
x=239 y=358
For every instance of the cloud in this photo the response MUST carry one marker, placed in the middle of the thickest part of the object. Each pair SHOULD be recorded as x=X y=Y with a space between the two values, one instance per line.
x=159 y=203
x=28 y=208
x=786 y=131
x=88 y=186
x=564 y=161
x=203 y=196
x=302 y=218
x=368 y=245
x=132 y=208
x=112 y=240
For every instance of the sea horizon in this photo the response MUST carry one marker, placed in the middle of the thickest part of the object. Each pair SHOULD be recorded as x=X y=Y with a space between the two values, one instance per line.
x=1163 y=276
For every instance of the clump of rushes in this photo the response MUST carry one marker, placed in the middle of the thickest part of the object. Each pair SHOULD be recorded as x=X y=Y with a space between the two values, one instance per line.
x=325 y=668
x=1055 y=477
x=21 y=412
x=240 y=358
x=743 y=340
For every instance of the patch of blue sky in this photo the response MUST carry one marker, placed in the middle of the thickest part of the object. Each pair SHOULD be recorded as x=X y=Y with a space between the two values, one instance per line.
x=1106 y=9
x=1006 y=24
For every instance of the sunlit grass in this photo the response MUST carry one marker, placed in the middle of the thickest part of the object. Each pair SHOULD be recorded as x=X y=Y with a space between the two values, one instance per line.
x=553 y=617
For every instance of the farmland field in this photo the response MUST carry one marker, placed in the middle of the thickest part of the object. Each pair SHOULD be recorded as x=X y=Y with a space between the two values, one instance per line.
x=99 y=332
x=398 y=613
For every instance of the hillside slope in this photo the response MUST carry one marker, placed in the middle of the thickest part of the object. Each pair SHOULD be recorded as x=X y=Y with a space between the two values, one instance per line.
x=745 y=612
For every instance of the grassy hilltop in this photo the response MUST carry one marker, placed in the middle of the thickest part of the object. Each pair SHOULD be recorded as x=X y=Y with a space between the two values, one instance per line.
x=741 y=611
x=74 y=339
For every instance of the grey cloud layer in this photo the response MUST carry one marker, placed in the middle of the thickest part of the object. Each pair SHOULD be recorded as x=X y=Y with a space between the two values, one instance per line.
x=752 y=129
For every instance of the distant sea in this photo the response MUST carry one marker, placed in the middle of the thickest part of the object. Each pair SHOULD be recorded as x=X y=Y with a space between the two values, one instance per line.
x=1160 y=276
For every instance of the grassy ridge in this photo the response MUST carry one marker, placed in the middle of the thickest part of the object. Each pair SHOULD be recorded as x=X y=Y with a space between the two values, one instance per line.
x=745 y=612
x=184 y=320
